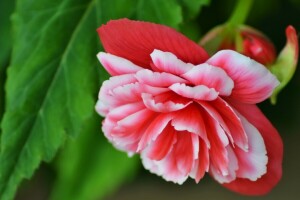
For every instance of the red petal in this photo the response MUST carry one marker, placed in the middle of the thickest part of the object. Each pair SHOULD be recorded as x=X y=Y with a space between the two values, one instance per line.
x=274 y=147
x=162 y=145
x=136 y=40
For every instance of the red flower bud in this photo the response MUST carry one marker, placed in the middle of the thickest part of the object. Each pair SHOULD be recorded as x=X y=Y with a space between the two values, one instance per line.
x=257 y=46
x=243 y=39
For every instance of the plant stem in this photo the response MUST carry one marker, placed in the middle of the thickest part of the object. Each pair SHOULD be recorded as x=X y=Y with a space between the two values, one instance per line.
x=240 y=12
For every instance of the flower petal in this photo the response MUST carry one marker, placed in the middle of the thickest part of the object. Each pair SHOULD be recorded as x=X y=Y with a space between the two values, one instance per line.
x=157 y=79
x=115 y=65
x=163 y=144
x=202 y=163
x=119 y=129
x=186 y=151
x=106 y=101
x=199 y=92
x=165 y=102
x=231 y=122
x=253 y=82
x=167 y=168
x=232 y=167
x=136 y=40
x=274 y=148
x=177 y=165
x=154 y=129
x=210 y=76
x=218 y=141
x=168 y=62
x=252 y=164
x=190 y=119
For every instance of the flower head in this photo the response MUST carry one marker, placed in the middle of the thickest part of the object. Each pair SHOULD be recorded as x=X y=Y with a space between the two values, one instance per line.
x=187 y=113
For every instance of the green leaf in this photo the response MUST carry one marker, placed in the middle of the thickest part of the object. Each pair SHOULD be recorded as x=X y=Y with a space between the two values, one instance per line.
x=6 y=9
x=50 y=87
x=89 y=167
x=191 y=8
x=162 y=12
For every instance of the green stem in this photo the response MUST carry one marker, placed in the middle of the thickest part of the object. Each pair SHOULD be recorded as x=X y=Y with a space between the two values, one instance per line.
x=240 y=12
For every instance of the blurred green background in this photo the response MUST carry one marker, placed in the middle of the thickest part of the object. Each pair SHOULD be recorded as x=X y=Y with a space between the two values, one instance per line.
x=83 y=164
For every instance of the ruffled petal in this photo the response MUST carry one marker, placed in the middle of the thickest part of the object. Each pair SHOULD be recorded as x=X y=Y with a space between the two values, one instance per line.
x=106 y=100
x=232 y=167
x=166 y=102
x=202 y=163
x=157 y=79
x=274 y=148
x=154 y=129
x=210 y=76
x=219 y=142
x=159 y=148
x=178 y=163
x=168 y=62
x=136 y=40
x=230 y=121
x=190 y=119
x=118 y=127
x=115 y=65
x=199 y=92
x=186 y=151
x=253 y=82
x=253 y=163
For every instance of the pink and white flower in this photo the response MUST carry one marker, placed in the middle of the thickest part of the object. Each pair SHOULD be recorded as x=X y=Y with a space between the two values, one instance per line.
x=185 y=113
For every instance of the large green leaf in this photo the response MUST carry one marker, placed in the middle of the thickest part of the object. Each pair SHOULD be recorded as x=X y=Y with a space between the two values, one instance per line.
x=162 y=12
x=89 y=166
x=6 y=8
x=50 y=86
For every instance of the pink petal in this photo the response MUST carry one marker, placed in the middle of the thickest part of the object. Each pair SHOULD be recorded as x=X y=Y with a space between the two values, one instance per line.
x=136 y=40
x=106 y=101
x=202 y=163
x=168 y=62
x=210 y=76
x=157 y=79
x=115 y=65
x=125 y=110
x=190 y=119
x=177 y=164
x=199 y=92
x=163 y=144
x=218 y=141
x=217 y=119
x=165 y=102
x=126 y=129
x=253 y=82
x=274 y=148
x=154 y=129
x=186 y=151
x=167 y=168
x=230 y=121
x=232 y=167
x=252 y=164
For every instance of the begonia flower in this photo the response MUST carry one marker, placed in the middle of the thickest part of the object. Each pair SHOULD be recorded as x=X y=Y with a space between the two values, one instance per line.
x=186 y=113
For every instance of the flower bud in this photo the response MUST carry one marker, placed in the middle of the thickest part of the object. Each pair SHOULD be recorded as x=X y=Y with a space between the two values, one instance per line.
x=257 y=46
x=243 y=39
